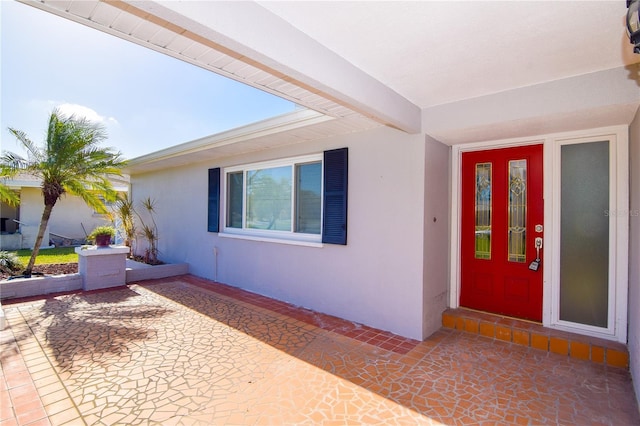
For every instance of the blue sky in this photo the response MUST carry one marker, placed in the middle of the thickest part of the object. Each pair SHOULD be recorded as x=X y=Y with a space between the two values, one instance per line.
x=146 y=100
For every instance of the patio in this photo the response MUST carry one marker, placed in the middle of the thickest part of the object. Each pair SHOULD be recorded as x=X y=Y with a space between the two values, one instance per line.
x=183 y=350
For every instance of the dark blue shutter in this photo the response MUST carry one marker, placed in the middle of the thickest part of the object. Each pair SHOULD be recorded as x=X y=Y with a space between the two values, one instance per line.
x=334 y=225
x=213 y=216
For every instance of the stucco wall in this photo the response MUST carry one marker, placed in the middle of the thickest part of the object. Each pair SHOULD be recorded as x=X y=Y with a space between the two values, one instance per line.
x=67 y=218
x=377 y=279
x=31 y=207
x=70 y=214
x=602 y=98
x=634 y=253
x=436 y=234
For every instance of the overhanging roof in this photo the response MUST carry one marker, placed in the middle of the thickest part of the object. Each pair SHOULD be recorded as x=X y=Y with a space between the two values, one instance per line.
x=286 y=129
x=405 y=64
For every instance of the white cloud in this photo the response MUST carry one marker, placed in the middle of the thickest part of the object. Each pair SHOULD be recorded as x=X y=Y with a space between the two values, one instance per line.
x=86 y=112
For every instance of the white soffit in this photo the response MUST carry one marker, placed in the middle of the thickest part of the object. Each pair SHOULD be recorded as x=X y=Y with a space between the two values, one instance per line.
x=287 y=129
x=130 y=23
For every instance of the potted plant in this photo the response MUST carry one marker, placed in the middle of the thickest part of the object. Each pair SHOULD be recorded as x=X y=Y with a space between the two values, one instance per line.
x=102 y=235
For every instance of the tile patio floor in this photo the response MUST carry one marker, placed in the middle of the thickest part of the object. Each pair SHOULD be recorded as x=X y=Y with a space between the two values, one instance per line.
x=188 y=351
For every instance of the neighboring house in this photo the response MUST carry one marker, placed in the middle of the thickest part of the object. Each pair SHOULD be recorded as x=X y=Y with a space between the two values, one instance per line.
x=460 y=141
x=71 y=219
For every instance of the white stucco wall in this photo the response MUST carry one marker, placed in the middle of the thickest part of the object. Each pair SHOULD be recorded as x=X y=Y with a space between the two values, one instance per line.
x=599 y=99
x=31 y=207
x=67 y=218
x=377 y=279
x=436 y=234
x=634 y=253
x=70 y=214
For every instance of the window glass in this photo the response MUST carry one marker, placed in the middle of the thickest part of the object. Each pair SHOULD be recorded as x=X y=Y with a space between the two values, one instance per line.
x=584 y=234
x=276 y=199
x=234 y=199
x=308 y=197
x=483 y=211
x=517 y=210
x=269 y=199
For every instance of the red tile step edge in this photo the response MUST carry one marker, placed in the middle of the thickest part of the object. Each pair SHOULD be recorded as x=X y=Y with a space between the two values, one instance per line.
x=536 y=336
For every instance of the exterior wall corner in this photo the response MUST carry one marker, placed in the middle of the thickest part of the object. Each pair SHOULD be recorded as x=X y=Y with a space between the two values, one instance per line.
x=436 y=234
x=633 y=342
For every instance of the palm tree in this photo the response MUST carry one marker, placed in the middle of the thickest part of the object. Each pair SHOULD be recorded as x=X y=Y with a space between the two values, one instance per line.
x=69 y=162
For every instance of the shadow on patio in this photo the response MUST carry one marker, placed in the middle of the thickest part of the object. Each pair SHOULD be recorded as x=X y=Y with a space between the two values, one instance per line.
x=95 y=327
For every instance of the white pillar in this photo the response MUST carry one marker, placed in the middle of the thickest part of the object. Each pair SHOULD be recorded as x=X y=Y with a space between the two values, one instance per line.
x=102 y=267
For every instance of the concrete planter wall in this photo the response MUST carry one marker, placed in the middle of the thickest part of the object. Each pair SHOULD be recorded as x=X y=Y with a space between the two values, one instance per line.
x=139 y=271
x=36 y=286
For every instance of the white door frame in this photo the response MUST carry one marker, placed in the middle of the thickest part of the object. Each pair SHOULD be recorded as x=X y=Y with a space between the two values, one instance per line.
x=619 y=227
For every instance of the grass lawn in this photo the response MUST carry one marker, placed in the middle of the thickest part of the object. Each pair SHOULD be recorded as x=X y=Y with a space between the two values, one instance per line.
x=47 y=256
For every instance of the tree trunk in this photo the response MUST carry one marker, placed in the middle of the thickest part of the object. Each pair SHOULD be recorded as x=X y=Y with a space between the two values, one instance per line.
x=44 y=221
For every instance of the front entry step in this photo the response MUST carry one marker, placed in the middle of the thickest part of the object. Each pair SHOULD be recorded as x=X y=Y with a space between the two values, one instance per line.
x=536 y=336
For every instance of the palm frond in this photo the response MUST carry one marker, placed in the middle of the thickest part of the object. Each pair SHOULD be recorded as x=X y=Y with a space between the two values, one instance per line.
x=9 y=196
x=11 y=164
x=34 y=153
x=89 y=195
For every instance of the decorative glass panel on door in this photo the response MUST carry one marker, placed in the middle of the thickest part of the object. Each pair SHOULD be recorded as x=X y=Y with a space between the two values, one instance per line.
x=517 y=211
x=483 y=211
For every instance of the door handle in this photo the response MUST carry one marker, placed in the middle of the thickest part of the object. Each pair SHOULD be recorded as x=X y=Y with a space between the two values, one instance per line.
x=535 y=265
x=538 y=243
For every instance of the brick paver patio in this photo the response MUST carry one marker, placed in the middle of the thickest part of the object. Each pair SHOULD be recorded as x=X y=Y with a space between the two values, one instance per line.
x=188 y=351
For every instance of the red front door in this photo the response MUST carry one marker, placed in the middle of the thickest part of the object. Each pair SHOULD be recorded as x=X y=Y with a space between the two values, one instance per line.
x=502 y=216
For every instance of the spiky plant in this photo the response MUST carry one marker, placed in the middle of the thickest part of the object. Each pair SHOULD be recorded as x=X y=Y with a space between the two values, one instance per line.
x=125 y=212
x=9 y=262
x=150 y=231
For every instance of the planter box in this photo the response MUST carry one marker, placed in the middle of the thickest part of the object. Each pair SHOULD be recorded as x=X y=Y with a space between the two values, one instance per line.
x=137 y=271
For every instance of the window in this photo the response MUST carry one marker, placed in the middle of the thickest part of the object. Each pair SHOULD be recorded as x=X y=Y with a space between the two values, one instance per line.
x=279 y=199
x=296 y=199
x=585 y=233
x=308 y=198
x=107 y=204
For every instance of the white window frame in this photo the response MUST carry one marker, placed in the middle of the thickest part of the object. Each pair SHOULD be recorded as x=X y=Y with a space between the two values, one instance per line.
x=618 y=238
x=287 y=237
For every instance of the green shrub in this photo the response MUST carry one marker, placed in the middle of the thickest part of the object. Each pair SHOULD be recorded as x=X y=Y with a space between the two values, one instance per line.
x=9 y=262
x=102 y=230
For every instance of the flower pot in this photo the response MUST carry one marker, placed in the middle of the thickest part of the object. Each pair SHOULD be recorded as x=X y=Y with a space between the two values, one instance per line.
x=103 y=240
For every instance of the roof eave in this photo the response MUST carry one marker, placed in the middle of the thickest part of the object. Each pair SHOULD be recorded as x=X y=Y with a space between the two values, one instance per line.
x=279 y=124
